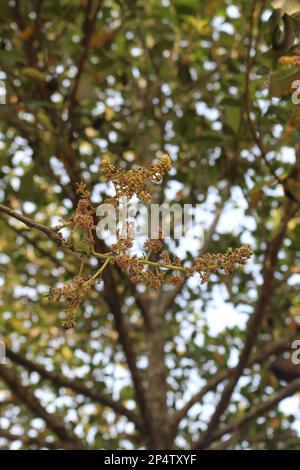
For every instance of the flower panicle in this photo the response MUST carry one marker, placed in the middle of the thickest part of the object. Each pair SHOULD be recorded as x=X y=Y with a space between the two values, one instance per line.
x=156 y=266
x=134 y=181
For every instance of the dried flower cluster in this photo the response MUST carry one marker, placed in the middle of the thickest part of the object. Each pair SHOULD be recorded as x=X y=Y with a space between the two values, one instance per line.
x=154 y=273
x=210 y=263
x=155 y=244
x=83 y=217
x=134 y=181
x=289 y=61
x=73 y=292
x=293 y=124
x=152 y=269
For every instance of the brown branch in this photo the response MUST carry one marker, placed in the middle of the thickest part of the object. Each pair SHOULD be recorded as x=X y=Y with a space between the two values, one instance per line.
x=32 y=441
x=113 y=300
x=258 y=358
x=202 y=80
x=38 y=19
x=269 y=268
x=34 y=243
x=255 y=321
x=28 y=46
x=32 y=403
x=256 y=135
x=259 y=410
x=88 y=28
x=50 y=233
x=157 y=378
x=75 y=385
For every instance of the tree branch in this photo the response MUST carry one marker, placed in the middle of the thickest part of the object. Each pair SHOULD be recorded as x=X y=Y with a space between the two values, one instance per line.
x=259 y=410
x=157 y=377
x=258 y=358
x=113 y=300
x=44 y=253
x=29 y=399
x=88 y=28
x=50 y=233
x=32 y=441
x=269 y=268
x=75 y=385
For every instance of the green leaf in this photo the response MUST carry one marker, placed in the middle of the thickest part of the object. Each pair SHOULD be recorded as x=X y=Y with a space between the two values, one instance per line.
x=281 y=81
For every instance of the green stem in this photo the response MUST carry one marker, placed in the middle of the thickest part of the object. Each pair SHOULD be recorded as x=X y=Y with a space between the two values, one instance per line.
x=158 y=265
x=66 y=224
x=100 y=255
x=81 y=267
x=100 y=271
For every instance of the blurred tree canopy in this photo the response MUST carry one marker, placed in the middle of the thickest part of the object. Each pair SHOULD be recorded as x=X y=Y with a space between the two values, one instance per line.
x=125 y=81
